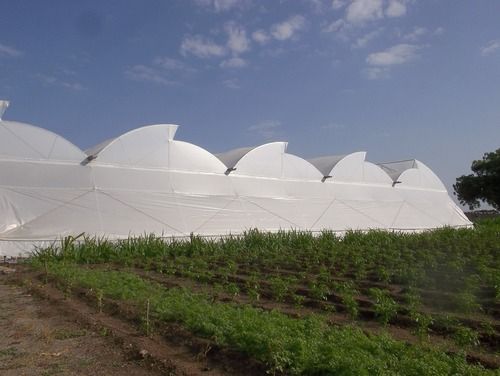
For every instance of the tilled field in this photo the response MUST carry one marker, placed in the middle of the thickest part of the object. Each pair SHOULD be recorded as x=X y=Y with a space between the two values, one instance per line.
x=42 y=336
x=48 y=332
x=290 y=303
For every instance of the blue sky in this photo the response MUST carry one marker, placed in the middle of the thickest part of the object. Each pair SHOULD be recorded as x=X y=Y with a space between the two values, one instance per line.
x=398 y=78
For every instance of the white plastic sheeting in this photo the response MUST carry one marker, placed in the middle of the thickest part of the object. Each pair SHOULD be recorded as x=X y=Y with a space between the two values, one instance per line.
x=145 y=181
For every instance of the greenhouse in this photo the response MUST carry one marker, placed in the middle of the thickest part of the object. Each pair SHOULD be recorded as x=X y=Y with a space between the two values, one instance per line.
x=146 y=181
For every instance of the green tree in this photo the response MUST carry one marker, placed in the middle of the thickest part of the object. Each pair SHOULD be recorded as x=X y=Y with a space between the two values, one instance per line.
x=483 y=185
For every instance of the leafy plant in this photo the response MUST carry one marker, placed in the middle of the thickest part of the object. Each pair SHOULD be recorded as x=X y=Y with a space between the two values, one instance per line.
x=348 y=293
x=319 y=290
x=232 y=289
x=298 y=300
x=385 y=307
x=465 y=337
x=466 y=302
x=280 y=287
x=253 y=287
x=422 y=324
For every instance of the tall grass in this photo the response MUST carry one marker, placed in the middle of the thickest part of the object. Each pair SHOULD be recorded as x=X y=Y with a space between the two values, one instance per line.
x=447 y=259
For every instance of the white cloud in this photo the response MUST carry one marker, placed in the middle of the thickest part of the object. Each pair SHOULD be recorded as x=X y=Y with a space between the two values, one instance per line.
x=439 y=31
x=160 y=71
x=144 y=73
x=7 y=51
x=260 y=36
x=234 y=62
x=338 y=4
x=418 y=32
x=415 y=34
x=238 y=41
x=376 y=73
x=231 y=83
x=316 y=5
x=281 y=31
x=333 y=126
x=287 y=29
x=490 y=47
x=266 y=129
x=72 y=85
x=360 y=11
x=381 y=62
x=54 y=81
x=202 y=47
x=335 y=26
x=170 y=64
x=365 y=39
x=399 y=54
x=222 y=5
x=396 y=8
x=274 y=52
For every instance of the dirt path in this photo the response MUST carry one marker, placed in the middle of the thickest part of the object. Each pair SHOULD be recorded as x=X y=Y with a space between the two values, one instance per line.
x=35 y=339
x=50 y=333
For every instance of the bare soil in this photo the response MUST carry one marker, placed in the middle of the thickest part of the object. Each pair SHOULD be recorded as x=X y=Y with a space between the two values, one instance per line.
x=43 y=332
x=36 y=339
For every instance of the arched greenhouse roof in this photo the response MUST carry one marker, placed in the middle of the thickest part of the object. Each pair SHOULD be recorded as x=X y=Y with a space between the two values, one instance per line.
x=269 y=160
x=153 y=146
x=27 y=142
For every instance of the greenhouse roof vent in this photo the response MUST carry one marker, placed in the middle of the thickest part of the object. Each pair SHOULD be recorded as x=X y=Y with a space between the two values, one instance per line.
x=3 y=107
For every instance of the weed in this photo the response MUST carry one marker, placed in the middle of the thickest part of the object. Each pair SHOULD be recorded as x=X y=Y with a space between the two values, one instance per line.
x=99 y=294
x=8 y=352
x=104 y=332
x=63 y=334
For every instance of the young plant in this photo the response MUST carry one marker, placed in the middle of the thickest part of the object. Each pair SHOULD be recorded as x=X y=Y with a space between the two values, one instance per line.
x=466 y=302
x=232 y=288
x=146 y=319
x=279 y=288
x=383 y=274
x=385 y=307
x=298 y=300
x=422 y=323
x=253 y=287
x=465 y=337
x=413 y=300
x=99 y=294
x=348 y=293
x=319 y=290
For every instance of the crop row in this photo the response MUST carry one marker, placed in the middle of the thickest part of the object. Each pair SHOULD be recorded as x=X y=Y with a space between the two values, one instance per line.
x=295 y=346
x=448 y=260
x=323 y=283
x=344 y=297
